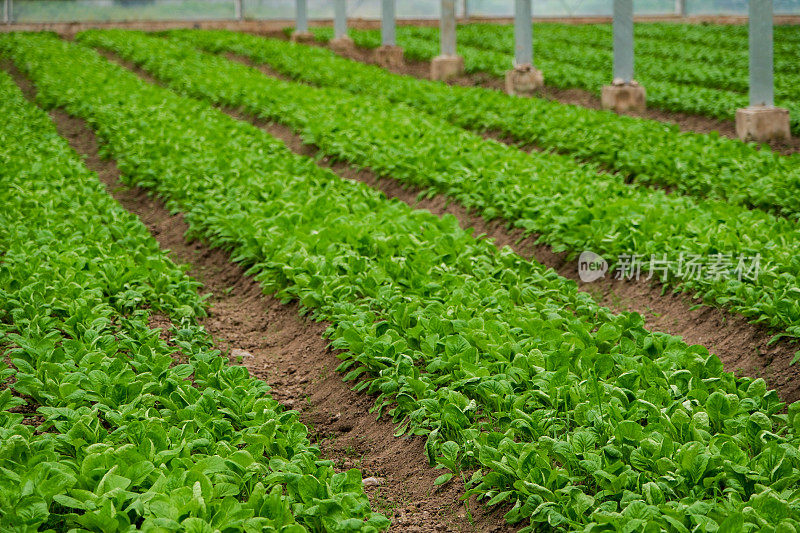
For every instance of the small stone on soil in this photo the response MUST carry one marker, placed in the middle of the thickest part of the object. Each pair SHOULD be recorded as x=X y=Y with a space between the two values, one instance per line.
x=372 y=481
x=236 y=353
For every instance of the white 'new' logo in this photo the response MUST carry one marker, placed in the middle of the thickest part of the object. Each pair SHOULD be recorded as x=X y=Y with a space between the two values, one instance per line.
x=591 y=267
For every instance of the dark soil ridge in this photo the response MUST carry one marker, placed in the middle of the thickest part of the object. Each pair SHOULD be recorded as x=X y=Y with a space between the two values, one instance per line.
x=290 y=354
x=685 y=121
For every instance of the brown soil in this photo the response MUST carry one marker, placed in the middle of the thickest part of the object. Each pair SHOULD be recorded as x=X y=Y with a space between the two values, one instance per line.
x=578 y=97
x=742 y=346
x=288 y=352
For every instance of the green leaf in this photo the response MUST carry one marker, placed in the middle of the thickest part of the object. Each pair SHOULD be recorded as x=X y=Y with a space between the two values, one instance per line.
x=444 y=478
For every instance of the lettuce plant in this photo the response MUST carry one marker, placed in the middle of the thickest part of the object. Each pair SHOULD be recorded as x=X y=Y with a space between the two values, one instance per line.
x=570 y=206
x=647 y=151
x=700 y=88
x=118 y=435
x=572 y=416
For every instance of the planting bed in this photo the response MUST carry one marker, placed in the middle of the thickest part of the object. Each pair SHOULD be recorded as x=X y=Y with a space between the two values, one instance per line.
x=424 y=377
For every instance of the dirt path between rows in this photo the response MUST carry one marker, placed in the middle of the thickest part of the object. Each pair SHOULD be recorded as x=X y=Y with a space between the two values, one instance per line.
x=743 y=347
x=288 y=352
x=578 y=97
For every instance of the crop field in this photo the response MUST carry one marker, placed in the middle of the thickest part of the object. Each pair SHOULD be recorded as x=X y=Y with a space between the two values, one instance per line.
x=691 y=69
x=250 y=285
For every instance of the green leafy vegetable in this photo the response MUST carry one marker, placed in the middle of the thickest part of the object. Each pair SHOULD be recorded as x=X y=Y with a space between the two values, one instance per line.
x=495 y=359
x=116 y=436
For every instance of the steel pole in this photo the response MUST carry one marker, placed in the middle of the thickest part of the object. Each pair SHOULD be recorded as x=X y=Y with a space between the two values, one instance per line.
x=388 y=30
x=623 y=40
x=447 y=28
x=238 y=9
x=301 y=25
x=339 y=18
x=523 y=33
x=761 y=66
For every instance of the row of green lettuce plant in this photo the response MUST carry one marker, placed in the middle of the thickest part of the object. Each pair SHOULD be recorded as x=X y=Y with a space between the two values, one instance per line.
x=650 y=40
x=576 y=418
x=118 y=436
x=724 y=36
x=592 y=211
x=730 y=35
x=656 y=59
x=648 y=152
x=598 y=55
x=565 y=67
x=667 y=47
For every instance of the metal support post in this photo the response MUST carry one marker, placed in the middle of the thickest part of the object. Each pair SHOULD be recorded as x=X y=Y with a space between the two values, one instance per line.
x=523 y=33
x=388 y=30
x=339 y=18
x=301 y=25
x=761 y=66
x=447 y=26
x=623 y=40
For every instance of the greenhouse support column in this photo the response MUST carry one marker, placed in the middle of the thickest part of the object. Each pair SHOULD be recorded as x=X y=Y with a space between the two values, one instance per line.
x=523 y=79
x=680 y=8
x=623 y=40
x=465 y=9
x=762 y=121
x=238 y=9
x=447 y=64
x=301 y=33
x=388 y=30
x=761 y=60
x=624 y=94
x=7 y=11
x=523 y=32
x=388 y=55
x=341 y=41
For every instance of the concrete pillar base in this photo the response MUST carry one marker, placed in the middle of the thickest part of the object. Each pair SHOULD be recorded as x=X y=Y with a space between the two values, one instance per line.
x=763 y=124
x=342 y=44
x=302 y=37
x=389 y=56
x=445 y=67
x=623 y=97
x=524 y=80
